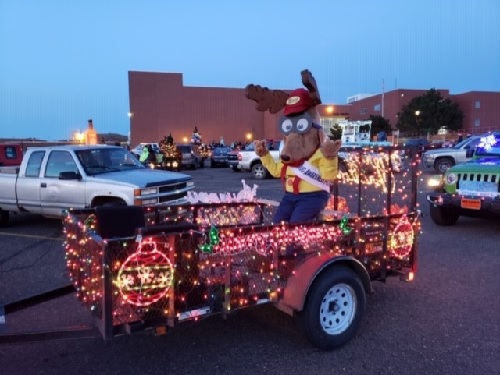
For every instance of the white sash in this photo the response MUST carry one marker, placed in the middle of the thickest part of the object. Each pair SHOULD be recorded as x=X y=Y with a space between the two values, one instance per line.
x=310 y=173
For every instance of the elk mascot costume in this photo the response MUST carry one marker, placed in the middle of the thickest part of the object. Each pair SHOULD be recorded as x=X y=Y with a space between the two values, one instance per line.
x=308 y=162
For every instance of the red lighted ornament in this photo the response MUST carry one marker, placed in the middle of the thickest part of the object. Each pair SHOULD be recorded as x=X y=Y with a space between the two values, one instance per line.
x=401 y=238
x=146 y=275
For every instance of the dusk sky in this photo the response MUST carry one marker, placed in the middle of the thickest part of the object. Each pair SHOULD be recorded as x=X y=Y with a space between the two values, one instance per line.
x=64 y=62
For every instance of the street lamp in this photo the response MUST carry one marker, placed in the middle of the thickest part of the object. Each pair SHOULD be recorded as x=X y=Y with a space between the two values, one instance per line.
x=417 y=119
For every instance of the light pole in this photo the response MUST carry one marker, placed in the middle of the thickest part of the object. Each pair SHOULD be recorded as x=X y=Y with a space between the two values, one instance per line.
x=417 y=120
x=130 y=115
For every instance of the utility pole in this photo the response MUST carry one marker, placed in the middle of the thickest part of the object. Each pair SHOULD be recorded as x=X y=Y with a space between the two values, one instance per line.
x=383 y=92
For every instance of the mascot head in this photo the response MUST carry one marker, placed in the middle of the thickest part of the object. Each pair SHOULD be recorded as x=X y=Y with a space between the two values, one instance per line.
x=300 y=127
x=300 y=124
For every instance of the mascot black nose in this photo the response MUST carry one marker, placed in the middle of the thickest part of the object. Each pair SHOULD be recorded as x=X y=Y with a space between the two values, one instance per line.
x=284 y=157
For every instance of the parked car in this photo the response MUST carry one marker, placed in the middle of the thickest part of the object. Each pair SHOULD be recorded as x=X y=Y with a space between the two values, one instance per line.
x=219 y=157
x=191 y=156
x=11 y=154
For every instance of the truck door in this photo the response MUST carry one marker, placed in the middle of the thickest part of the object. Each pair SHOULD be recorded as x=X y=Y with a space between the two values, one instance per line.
x=58 y=195
x=28 y=183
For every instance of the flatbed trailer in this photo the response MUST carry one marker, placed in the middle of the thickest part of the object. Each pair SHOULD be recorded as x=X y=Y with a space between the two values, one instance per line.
x=135 y=268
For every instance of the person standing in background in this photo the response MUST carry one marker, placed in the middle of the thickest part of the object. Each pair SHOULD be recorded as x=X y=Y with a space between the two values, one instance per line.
x=90 y=134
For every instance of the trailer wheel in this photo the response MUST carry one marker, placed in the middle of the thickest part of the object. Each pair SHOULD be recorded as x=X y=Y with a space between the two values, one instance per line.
x=4 y=218
x=334 y=308
x=444 y=216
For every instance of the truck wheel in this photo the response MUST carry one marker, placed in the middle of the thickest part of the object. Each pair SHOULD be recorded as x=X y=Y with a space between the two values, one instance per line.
x=4 y=218
x=334 y=308
x=443 y=215
x=259 y=172
x=443 y=164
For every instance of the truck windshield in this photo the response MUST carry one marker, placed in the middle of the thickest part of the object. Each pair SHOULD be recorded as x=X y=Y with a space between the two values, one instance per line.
x=107 y=159
x=489 y=145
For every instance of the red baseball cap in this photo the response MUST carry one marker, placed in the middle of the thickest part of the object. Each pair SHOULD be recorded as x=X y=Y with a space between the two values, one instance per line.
x=298 y=102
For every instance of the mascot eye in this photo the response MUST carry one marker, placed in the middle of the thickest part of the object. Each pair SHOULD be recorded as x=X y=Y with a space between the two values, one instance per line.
x=286 y=126
x=302 y=125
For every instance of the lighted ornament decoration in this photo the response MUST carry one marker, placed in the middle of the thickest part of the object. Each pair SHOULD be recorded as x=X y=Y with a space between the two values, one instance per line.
x=90 y=223
x=146 y=275
x=344 y=225
x=402 y=238
x=373 y=170
x=213 y=239
x=487 y=142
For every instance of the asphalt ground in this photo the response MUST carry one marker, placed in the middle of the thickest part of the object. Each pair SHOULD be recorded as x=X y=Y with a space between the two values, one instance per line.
x=447 y=321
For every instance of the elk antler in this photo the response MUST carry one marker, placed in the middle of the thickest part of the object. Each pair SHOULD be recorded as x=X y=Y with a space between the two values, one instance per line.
x=275 y=100
x=272 y=100
x=310 y=83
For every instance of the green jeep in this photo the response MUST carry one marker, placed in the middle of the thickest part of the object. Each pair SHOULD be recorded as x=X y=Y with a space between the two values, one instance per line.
x=472 y=188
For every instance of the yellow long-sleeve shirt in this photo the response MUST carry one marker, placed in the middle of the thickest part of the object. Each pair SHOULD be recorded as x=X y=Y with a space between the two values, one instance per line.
x=327 y=169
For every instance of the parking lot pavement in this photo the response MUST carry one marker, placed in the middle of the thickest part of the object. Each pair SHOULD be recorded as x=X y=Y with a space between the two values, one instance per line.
x=445 y=322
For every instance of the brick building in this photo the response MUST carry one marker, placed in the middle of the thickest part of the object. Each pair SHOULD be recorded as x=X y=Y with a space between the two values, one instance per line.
x=160 y=105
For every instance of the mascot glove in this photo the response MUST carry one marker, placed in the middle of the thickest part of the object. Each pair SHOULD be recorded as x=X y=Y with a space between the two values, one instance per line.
x=260 y=148
x=330 y=148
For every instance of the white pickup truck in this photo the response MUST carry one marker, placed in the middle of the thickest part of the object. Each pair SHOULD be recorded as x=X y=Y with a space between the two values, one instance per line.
x=247 y=159
x=51 y=180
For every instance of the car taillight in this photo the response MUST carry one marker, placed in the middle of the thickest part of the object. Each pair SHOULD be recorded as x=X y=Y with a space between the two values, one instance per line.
x=239 y=156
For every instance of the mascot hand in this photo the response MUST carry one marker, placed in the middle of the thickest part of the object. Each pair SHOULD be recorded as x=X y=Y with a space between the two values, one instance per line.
x=260 y=148
x=331 y=148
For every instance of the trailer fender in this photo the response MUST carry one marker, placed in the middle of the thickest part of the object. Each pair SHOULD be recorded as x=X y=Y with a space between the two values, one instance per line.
x=298 y=285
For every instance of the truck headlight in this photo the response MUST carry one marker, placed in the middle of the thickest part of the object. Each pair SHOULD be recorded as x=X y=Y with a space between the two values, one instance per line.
x=146 y=191
x=451 y=178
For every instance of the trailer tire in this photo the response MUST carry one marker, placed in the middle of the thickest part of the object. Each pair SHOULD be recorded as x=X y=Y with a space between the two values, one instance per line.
x=4 y=218
x=334 y=308
x=444 y=216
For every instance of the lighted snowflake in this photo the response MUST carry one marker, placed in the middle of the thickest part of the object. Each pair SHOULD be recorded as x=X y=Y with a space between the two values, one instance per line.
x=145 y=274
